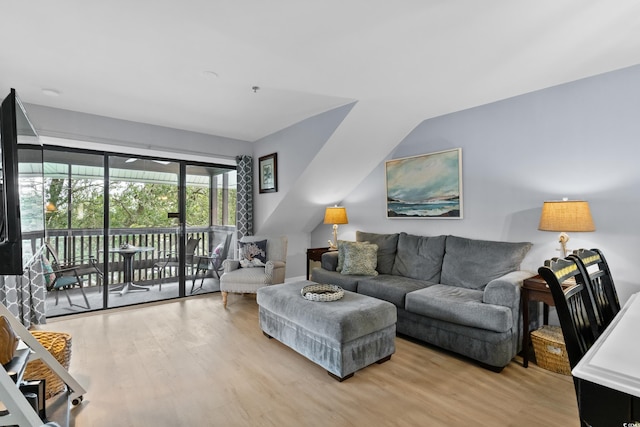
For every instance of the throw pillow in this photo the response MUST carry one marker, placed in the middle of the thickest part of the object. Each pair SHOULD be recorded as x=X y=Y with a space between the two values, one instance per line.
x=360 y=259
x=218 y=250
x=344 y=245
x=47 y=271
x=387 y=244
x=253 y=254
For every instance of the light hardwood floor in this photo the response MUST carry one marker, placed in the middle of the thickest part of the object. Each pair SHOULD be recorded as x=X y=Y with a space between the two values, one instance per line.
x=191 y=363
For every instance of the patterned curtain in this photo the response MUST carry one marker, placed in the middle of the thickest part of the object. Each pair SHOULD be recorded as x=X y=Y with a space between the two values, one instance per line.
x=25 y=295
x=244 y=208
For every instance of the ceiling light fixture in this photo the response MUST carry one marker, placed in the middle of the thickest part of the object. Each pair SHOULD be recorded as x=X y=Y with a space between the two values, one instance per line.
x=134 y=159
x=51 y=92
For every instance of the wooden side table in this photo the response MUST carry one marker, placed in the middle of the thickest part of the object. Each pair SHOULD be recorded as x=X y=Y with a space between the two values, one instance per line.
x=314 y=254
x=535 y=289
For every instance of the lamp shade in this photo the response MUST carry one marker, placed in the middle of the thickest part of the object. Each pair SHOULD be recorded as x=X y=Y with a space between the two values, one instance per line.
x=566 y=215
x=336 y=215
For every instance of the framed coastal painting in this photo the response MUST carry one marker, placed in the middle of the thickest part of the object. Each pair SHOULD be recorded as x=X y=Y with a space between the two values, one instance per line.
x=425 y=186
x=268 y=173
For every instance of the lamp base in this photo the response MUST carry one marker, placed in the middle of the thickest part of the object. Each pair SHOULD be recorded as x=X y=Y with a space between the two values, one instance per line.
x=334 y=246
x=563 y=239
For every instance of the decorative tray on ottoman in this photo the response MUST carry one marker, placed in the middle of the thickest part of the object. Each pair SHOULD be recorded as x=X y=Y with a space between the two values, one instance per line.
x=323 y=293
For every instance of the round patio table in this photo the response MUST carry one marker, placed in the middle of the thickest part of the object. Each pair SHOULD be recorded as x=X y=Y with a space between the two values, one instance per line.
x=127 y=256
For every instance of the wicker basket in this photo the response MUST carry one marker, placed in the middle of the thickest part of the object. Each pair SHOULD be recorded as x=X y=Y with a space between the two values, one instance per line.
x=550 y=351
x=59 y=345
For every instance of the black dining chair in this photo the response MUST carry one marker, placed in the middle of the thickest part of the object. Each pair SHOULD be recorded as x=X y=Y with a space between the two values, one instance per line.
x=575 y=312
x=597 y=275
x=573 y=306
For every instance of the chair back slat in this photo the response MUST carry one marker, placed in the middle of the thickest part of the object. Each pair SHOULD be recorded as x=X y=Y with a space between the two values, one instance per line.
x=573 y=305
x=598 y=280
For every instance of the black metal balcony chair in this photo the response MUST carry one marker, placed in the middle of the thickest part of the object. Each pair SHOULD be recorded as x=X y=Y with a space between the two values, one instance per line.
x=214 y=261
x=68 y=274
x=169 y=259
x=598 y=279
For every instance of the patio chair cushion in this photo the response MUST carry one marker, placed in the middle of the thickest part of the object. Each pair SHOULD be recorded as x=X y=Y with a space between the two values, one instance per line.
x=66 y=281
x=47 y=269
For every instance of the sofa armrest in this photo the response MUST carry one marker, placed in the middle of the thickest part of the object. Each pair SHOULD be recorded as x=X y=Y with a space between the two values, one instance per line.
x=230 y=265
x=329 y=260
x=505 y=290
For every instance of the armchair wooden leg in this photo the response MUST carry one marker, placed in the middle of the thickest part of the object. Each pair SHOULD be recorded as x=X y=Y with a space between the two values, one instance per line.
x=224 y=299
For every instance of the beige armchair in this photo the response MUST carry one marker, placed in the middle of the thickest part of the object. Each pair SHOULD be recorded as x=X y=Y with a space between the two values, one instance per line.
x=247 y=280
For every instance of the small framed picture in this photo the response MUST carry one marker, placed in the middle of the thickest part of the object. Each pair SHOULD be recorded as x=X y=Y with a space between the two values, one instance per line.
x=268 y=170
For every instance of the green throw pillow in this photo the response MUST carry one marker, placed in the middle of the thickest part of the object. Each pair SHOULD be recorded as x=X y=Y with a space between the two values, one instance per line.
x=360 y=258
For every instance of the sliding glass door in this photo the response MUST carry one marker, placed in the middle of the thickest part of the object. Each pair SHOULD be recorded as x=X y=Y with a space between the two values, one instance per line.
x=74 y=222
x=210 y=218
x=157 y=228
x=144 y=230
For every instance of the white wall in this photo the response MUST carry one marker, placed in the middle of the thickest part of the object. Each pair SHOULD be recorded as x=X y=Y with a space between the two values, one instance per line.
x=76 y=129
x=579 y=140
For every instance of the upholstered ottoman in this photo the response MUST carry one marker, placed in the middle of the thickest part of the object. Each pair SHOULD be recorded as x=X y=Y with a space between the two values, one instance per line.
x=341 y=336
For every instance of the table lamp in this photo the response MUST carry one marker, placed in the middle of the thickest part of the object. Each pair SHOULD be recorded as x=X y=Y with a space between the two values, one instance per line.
x=335 y=215
x=566 y=215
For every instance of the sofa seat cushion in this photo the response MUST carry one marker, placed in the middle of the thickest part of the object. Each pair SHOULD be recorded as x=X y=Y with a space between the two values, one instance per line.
x=348 y=283
x=472 y=263
x=390 y=288
x=419 y=257
x=459 y=305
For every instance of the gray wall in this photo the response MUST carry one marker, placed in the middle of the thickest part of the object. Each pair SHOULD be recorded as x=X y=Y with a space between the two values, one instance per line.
x=578 y=140
x=286 y=212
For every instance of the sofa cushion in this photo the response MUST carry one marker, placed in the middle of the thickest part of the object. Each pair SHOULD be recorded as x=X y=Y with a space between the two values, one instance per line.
x=390 y=288
x=419 y=257
x=360 y=259
x=387 y=244
x=471 y=263
x=459 y=305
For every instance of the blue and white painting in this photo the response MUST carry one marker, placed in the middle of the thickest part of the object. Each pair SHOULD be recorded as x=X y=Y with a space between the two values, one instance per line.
x=425 y=186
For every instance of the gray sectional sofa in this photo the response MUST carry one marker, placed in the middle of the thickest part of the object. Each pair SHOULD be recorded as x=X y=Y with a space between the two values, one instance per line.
x=459 y=294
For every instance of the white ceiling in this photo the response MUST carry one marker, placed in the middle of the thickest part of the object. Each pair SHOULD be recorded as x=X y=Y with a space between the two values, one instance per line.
x=148 y=61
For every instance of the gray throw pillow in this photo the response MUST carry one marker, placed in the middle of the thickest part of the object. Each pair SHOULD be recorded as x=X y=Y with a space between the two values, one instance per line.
x=419 y=257
x=387 y=244
x=344 y=245
x=472 y=264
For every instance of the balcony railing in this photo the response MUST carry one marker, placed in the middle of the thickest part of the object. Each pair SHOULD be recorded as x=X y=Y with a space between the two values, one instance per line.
x=75 y=244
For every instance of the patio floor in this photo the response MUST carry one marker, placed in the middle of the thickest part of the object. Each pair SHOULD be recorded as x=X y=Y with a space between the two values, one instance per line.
x=95 y=296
